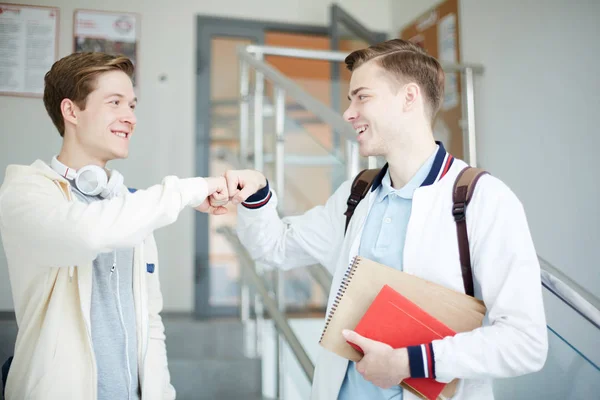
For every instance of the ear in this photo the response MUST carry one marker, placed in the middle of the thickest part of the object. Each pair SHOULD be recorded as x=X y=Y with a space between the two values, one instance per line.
x=69 y=111
x=412 y=91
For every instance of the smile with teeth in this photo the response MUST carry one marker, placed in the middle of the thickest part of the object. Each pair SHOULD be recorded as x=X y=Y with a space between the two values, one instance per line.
x=121 y=134
x=361 y=129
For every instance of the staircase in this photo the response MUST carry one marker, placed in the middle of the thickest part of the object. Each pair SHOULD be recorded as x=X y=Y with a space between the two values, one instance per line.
x=206 y=359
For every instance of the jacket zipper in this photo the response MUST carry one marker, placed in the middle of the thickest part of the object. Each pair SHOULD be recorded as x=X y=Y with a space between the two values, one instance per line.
x=94 y=386
x=144 y=321
x=121 y=319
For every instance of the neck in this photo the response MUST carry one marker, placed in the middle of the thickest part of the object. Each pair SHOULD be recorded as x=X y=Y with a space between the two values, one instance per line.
x=75 y=157
x=409 y=155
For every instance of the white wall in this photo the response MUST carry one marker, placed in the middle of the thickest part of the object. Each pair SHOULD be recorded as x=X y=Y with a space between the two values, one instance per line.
x=536 y=112
x=164 y=140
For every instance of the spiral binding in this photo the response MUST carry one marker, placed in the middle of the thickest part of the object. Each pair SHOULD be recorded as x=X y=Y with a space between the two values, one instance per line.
x=341 y=291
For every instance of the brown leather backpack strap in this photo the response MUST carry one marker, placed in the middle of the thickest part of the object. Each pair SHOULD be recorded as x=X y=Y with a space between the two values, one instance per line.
x=360 y=187
x=464 y=186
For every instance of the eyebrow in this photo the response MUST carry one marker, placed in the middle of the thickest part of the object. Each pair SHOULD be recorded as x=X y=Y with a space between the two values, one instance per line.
x=135 y=99
x=355 y=91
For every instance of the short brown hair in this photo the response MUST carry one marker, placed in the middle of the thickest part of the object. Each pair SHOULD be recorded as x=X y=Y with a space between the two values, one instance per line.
x=405 y=60
x=74 y=77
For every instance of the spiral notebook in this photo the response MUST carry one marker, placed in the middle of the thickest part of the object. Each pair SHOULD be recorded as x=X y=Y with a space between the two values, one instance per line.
x=362 y=283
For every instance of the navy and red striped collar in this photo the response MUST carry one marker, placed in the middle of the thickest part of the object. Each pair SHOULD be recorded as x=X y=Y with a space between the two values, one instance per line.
x=441 y=164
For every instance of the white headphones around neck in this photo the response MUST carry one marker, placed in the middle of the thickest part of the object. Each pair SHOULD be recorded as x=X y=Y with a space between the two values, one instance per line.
x=91 y=180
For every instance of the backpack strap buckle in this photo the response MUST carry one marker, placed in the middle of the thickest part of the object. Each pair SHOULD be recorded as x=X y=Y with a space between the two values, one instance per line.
x=458 y=210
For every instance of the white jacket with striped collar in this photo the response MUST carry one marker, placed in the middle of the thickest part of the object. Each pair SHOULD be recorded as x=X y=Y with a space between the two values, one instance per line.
x=506 y=272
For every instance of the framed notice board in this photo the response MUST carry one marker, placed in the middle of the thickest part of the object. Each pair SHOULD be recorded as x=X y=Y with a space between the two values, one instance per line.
x=437 y=32
x=28 y=48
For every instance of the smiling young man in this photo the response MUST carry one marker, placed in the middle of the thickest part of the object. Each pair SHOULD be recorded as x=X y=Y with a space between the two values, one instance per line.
x=406 y=222
x=81 y=254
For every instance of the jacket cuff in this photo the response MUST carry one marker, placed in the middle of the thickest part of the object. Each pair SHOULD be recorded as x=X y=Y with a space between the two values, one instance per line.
x=258 y=199
x=421 y=361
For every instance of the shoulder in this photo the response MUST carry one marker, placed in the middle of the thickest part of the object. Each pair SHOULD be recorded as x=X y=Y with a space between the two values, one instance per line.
x=494 y=202
x=27 y=185
x=491 y=195
x=491 y=188
x=37 y=174
x=488 y=187
x=343 y=190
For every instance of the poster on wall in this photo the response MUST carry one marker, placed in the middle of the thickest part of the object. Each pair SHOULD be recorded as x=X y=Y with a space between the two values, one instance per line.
x=109 y=32
x=436 y=31
x=28 y=48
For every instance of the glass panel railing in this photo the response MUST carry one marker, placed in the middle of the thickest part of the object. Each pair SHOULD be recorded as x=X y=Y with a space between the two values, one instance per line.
x=567 y=375
x=572 y=368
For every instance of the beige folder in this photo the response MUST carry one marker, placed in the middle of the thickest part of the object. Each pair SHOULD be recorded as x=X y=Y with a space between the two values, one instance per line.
x=361 y=284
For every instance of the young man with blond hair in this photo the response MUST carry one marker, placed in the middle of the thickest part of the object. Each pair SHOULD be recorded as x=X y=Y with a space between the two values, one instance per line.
x=406 y=222
x=82 y=258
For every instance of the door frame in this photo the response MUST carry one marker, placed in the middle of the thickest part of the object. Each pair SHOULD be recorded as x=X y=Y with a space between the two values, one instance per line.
x=337 y=15
x=208 y=27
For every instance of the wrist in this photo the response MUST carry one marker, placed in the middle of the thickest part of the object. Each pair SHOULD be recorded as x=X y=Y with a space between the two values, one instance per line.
x=400 y=363
x=262 y=181
x=260 y=198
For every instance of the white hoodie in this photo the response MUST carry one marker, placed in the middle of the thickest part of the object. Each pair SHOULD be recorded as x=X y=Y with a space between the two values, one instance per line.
x=50 y=240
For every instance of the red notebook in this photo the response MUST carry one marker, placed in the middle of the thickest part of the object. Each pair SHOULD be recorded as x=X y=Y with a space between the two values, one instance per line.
x=393 y=319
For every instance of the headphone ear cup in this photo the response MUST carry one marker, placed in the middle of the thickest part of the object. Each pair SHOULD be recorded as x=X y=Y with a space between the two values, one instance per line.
x=114 y=183
x=91 y=180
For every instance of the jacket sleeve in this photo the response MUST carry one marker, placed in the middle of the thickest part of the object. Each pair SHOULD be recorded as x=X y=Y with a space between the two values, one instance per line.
x=514 y=341
x=313 y=237
x=33 y=211
x=156 y=358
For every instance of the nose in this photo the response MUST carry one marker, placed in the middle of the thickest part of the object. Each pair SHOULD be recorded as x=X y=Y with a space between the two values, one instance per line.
x=350 y=114
x=129 y=117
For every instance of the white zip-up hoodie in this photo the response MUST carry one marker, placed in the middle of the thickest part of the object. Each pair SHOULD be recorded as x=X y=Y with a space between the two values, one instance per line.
x=506 y=272
x=50 y=240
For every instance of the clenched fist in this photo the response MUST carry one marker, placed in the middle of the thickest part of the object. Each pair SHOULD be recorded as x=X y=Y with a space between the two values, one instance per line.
x=242 y=184
x=217 y=197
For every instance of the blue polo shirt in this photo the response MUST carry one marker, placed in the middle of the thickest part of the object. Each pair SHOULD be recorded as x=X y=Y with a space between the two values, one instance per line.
x=382 y=241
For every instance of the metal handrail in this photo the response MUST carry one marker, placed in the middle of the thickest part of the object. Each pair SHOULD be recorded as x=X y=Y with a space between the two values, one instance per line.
x=326 y=114
x=570 y=293
x=253 y=55
x=340 y=56
x=321 y=276
x=292 y=89
x=281 y=323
